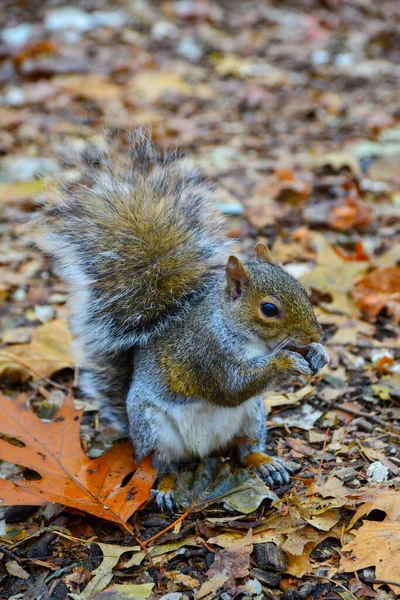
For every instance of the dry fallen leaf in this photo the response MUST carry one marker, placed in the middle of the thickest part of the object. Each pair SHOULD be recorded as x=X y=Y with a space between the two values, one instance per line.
x=378 y=290
x=388 y=501
x=127 y=591
x=20 y=192
x=332 y=488
x=334 y=276
x=229 y=564
x=376 y=545
x=93 y=86
x=47 y=353
x=68 y=476
x=13 y=568
x=150 y=85
x=103 y=574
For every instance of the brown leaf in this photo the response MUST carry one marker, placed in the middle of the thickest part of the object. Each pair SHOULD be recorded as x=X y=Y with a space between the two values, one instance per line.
x=388 y=501
x=332 y=488
x=68 y=476
x=349 y=213
x=151 y=85
x=376 y=545
x=300 y=447
x=47 y=353
x=378 y=290
x=229 y=564
x=98 y=88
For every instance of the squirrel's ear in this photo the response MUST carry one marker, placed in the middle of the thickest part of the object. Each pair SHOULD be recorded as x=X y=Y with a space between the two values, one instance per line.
x=263 y=253
x=236 y=276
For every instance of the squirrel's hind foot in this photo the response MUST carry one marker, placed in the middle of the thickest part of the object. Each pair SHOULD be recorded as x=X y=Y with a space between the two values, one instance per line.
x=273 y=471
x=165 y=501
x=164 y=493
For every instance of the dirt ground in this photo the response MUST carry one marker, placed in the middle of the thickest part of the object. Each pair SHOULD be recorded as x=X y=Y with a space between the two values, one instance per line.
x=291 y=109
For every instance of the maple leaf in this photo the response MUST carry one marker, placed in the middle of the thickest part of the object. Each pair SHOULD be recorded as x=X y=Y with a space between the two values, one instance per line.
x=68 y=476
x=376 y=545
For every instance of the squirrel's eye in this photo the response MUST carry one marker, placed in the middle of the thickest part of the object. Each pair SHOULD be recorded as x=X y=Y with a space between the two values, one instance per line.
x=269 y=310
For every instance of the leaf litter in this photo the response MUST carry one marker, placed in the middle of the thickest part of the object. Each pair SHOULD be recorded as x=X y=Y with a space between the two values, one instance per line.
x=289 y=108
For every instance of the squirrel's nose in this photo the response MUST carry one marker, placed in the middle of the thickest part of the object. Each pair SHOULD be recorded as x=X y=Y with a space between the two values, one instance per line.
x=316 y=337
x=309 y=338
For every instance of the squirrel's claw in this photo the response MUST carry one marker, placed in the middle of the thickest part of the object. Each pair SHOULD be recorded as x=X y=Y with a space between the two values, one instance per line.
x=275 y=472
x=165 y=500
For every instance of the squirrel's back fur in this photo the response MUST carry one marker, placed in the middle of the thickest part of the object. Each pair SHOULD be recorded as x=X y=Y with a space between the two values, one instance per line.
x=136 y=246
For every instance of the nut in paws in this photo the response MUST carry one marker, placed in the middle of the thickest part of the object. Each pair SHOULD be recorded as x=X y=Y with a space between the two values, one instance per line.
x=316 y=357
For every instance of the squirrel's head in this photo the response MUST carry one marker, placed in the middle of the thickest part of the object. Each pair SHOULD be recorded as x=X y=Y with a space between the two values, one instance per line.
x=270 y=302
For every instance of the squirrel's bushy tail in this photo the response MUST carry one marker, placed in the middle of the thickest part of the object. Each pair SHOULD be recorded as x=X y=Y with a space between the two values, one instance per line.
x=137 y=246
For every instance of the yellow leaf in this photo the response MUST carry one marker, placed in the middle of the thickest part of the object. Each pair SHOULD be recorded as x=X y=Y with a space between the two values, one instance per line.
x=325 y=521
x=271 y=400
x=189 y=582
x=152 y=85
x=90 y=86
x=299 y=564
x=47 y=353
x=20 y=191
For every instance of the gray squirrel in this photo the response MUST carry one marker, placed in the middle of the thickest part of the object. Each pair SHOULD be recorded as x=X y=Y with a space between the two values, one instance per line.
x=175 y=336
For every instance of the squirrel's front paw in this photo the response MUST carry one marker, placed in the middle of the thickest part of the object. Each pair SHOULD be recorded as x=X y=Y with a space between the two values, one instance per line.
x=294 y=364
x=271 y=470
x=316 y=357
x=164 y=494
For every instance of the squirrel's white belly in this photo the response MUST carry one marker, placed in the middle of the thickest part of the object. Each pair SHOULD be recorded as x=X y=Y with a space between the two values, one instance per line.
x=197 y=429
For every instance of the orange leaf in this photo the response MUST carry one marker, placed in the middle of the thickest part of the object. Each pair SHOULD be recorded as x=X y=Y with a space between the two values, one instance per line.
x=350 y=213
x=68 y=476
x=379 y=289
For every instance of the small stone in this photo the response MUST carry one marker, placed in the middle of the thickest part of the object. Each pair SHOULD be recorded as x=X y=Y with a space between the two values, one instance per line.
x=19 y=295
x=58 y=298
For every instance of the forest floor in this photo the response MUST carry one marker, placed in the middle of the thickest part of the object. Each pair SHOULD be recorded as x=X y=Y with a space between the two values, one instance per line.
x=292 y=110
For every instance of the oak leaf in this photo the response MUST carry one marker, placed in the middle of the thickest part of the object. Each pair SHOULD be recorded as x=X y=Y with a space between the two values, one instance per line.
x=376 y=545
x=68 y=476
x=387 y=501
